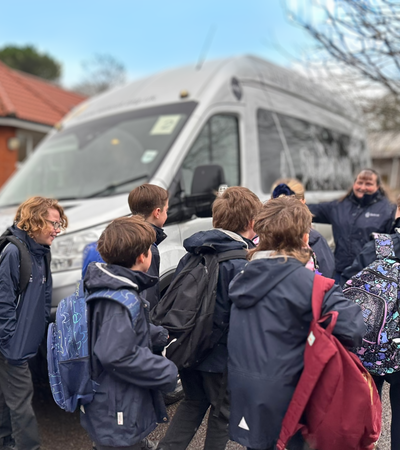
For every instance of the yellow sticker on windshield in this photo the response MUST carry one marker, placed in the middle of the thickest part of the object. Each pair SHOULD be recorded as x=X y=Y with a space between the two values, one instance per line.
x=165 y=124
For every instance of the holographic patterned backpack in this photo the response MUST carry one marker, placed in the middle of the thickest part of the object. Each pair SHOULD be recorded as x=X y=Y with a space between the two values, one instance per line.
x=376 y=290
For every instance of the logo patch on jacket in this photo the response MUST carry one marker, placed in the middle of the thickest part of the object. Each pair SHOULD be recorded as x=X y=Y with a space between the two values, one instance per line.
x=370 y=214
x=243 y=424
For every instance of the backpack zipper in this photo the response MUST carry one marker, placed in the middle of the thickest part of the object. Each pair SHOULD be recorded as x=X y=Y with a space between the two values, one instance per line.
x=380 y=275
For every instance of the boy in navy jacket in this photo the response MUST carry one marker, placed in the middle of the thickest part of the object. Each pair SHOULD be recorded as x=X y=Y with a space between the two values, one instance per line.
x=205 y=386
x=270 y=321
x=23 y=316
x=128 y=403
x=151 y=202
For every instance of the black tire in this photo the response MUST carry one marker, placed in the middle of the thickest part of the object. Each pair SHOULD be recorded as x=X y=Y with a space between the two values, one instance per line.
x=176 y=395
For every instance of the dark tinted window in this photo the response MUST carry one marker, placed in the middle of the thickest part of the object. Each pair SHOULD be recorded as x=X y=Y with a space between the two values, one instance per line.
x=217 y=143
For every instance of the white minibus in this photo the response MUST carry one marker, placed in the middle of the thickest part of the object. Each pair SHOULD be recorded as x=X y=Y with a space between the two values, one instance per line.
x=237 y=121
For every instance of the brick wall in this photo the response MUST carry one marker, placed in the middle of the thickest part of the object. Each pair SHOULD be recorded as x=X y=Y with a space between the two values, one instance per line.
x=8 y=158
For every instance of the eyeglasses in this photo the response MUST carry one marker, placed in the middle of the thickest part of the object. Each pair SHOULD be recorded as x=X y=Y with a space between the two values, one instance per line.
x=56 y=225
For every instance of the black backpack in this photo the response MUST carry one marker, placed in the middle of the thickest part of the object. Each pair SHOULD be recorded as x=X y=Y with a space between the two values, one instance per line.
x=186 y=310
x=25 y=266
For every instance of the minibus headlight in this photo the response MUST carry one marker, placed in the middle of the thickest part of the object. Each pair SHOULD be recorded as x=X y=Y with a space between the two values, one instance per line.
x=67 y=249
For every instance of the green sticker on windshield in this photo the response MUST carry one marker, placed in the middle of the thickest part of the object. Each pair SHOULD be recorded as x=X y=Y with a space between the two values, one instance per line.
x=165 y=124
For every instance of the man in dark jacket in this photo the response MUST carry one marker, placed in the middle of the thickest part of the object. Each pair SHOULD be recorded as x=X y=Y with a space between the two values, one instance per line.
x=204 y=386
x=23 y=316
x=365 y=209
x=128 y=401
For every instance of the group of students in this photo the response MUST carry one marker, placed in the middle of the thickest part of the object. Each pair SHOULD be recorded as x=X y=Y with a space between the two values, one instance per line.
x=261 y=318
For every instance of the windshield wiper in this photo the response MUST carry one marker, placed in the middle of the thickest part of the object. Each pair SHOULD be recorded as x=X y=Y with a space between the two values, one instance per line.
x=111 y=187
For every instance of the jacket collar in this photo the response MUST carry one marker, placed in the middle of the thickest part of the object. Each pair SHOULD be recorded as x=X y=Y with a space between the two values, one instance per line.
x=33 y=247
x=160 y=235
x=366 y=199
x=99 y=276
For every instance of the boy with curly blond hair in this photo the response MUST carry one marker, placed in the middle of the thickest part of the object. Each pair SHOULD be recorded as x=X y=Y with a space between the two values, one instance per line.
x=24 y=314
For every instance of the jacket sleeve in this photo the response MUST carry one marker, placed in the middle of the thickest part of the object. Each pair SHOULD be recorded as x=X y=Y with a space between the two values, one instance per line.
x=321 y=211
x=47 y=295
x=117 y=350
x=350 y=327
x=159 y=337
x=365 y=258
x=9 y=282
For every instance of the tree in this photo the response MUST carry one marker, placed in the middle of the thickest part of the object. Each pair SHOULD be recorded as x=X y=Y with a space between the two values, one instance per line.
x=29 y=60
x=103 y=72
x=363 y=35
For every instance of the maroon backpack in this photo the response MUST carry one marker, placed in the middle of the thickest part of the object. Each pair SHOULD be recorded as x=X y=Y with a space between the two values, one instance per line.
x=336 y=396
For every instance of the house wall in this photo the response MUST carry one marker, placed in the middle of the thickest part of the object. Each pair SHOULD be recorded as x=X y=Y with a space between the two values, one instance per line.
x=8 y=158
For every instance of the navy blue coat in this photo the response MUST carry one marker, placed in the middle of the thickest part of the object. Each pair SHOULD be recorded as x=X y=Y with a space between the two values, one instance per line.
x=368 y=256
x=353 y=220
x=23 y=318
x=131 y=378
x=270 y=320
x=325 y=258
x=216 y=361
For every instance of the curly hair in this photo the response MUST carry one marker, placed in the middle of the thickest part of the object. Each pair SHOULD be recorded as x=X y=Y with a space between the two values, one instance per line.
x=281 y=225
x=31 y=215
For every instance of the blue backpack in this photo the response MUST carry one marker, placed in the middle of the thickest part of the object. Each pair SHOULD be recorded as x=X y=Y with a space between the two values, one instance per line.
x=376 y=290
x=68 y=353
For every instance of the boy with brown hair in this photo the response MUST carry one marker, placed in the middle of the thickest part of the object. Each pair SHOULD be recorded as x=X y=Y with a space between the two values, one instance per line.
x=150 y=202
x=128 y=403
x=205 y=385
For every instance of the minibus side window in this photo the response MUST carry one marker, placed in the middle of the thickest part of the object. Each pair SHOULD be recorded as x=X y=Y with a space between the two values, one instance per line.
x=320 y=158
x=217 y=143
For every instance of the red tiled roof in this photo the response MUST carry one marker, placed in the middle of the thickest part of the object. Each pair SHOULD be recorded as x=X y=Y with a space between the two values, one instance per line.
x=30 y=98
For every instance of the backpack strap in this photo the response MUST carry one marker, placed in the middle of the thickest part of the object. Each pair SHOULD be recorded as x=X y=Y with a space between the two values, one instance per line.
x=239 y=253
x=384 y=247
x=25 y=268
x=292 y=421
x=124 y=297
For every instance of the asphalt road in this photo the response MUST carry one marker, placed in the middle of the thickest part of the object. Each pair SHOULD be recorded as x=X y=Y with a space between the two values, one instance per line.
x=62 y=431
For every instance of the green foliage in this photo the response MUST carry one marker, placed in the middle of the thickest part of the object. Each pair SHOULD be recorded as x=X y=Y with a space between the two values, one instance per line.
x=29 y=60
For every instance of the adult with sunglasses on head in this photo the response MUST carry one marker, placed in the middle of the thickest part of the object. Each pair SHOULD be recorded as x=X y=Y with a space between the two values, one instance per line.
x=364 y=209
x=23 y=316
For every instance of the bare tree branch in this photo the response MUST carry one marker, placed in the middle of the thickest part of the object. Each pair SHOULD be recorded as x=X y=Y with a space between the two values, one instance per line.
x=361 y=34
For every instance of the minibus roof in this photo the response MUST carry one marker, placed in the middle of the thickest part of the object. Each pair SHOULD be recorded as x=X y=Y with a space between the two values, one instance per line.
x=190 y=83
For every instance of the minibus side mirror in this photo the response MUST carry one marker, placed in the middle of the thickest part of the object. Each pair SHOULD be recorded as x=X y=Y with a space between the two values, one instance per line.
x=205 y=183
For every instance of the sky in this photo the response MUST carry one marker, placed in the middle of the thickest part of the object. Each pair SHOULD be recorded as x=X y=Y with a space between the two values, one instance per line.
x=148 y=36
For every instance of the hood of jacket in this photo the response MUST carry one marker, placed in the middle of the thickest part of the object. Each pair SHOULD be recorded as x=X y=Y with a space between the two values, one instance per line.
x=263 y=273
x=33 y=247
x=111 y=276
x=220 y=240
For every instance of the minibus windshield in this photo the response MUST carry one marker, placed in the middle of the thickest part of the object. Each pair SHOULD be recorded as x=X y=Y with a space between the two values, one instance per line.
x=103 y=157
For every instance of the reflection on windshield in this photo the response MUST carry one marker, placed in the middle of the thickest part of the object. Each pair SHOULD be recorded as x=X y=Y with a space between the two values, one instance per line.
x=103 y=157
